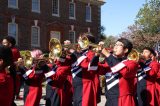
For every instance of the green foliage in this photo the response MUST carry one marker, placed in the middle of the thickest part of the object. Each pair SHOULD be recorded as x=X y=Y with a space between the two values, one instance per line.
x=148 y=17
x=110 y=40
x=102 y=35
x=139 y=38
x=146 y=30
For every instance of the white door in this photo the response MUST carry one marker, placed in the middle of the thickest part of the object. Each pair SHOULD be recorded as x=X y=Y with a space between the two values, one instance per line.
x=55 y=34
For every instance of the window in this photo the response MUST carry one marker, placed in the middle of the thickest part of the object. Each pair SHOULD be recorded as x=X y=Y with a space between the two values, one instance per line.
x=71 y=10
x=35 y=36
x=55 y=4
x=55 y=34
x=36 y=6
x=88 y=13
x=13 y=30
x=72 y=36
x=13 y=3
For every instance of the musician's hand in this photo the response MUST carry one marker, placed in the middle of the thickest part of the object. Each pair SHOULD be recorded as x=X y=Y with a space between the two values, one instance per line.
x=20 y=62
x=65 y=49
x=97 y=54
x=105 y=52
x=71 y=50
x=99 y=49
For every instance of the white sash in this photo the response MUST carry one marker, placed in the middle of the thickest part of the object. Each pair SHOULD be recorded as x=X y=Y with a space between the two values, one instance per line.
x=79 y=60
x=27 y=73
x=118 y=67
x=94 y=68
x=75 y=73
x=49 y=74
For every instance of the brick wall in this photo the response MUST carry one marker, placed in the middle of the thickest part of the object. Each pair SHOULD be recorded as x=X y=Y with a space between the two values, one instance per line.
x=25 y=19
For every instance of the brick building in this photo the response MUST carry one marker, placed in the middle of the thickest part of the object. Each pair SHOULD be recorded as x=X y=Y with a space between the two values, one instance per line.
x=34 y=22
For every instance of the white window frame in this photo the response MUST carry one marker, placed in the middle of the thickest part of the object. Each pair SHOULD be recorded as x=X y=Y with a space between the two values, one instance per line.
x=74 y=36
x=74 y=17
x=13 y=6
x=90 y=20
x=36 y=45
x=37 y=11
x=16 y=38
x=53 y=14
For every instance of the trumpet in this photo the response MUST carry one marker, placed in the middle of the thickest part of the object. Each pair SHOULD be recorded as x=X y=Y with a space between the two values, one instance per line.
x=28 y=60
x=84 y=43
x=55 y=47
x=134 y=55
x=57 y=50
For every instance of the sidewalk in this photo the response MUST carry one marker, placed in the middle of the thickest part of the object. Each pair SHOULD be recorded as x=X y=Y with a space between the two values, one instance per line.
x=42 y=102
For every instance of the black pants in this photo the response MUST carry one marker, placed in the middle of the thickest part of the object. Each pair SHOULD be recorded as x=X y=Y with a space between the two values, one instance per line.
x=52 y=98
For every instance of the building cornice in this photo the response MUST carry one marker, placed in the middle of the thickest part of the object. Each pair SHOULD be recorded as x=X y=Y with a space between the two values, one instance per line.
x=94 y=2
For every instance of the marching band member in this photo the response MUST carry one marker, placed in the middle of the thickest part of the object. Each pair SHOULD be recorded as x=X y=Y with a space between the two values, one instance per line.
x=6 y=79
x=61 y=85
x=35 y=78
x=84 y=64
x=157 y=93
x=158 y=87
x=147 y=79
x=102 y=77
x=10 y=41
x=60 y=81
x=121 y=81
x=85 y=75
x=67 y=42
x=50 y=92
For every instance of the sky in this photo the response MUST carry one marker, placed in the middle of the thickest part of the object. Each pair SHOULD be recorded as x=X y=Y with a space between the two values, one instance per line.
x=117 y=15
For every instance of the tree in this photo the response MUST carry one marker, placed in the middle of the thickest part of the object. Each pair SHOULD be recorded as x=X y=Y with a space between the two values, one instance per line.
x=148 y=17
x=110 y=40
x=139 y=38
x=146 y=30
x=102 y=35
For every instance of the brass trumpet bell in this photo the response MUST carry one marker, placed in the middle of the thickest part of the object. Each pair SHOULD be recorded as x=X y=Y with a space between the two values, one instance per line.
x=28 y=60
x=84 y=43
x=133 y=55
x=55 y=47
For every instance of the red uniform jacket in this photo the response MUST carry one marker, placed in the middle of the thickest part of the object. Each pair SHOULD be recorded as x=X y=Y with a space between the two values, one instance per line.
x=86 y=80
x=89 y=80
x=35 y=79
x=61 y=83
x=6 y=89
x=16 y=55
x=121 y=84
x=146 y=84
x=158 y=87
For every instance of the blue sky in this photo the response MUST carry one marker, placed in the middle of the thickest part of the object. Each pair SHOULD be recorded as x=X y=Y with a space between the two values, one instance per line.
x=117 y=15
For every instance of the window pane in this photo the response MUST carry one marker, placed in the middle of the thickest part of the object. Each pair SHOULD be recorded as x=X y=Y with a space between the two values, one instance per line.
x=88 y=13
x=55 y=34
x=35 y=5
x=71 y=10
x=12 y=30
x=35 y=36
x=55 y=6
x=72 y=36
x=12 y=3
